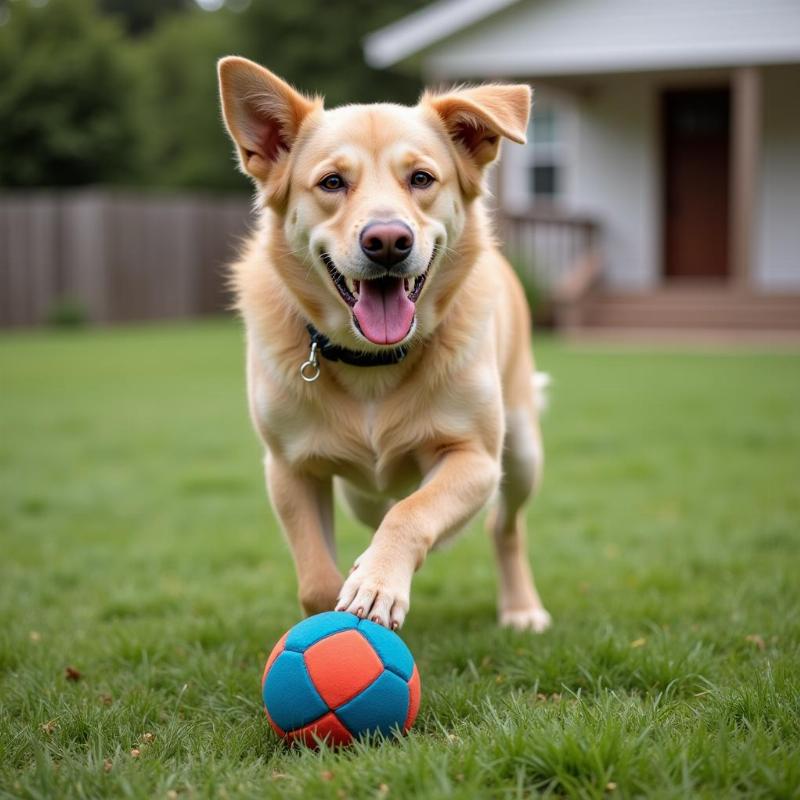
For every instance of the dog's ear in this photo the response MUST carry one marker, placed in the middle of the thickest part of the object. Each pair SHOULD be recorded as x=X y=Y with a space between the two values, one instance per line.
x=262 y=113
x=475 y=118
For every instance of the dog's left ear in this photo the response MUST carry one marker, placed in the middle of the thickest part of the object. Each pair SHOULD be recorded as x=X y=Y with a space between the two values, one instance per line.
x=477 y=117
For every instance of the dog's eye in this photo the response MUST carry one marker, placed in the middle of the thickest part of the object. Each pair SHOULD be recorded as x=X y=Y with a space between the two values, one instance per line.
x=421 y=179
x=332 y=183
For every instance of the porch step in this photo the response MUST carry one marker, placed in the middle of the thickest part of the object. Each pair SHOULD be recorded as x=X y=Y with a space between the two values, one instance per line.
x=676 y=309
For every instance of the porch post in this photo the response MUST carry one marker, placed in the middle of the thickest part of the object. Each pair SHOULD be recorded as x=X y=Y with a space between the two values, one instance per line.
x=745 y=156
x=497 y=184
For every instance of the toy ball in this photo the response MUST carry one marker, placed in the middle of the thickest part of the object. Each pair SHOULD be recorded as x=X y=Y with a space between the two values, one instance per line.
x=335 y=677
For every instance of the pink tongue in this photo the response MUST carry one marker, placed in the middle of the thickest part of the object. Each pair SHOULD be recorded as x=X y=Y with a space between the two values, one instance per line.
x=383 y=310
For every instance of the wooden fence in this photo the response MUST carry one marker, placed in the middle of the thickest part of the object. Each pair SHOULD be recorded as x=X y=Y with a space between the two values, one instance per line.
x=118 y=255
x=125 y=255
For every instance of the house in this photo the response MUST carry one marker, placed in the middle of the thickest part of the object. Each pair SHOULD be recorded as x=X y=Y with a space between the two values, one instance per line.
x=661 y=182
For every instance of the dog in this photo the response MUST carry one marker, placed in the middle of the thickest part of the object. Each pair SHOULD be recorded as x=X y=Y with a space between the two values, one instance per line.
x=388 y=340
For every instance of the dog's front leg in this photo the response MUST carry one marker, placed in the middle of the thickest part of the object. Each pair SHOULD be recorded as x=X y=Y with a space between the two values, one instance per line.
x=457 y=487
x=304 y=505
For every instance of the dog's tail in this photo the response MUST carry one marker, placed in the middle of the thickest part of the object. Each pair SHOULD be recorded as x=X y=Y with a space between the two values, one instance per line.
x=541 y=386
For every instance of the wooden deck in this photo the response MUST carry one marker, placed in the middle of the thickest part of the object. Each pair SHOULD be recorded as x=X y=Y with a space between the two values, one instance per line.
x=685 y=308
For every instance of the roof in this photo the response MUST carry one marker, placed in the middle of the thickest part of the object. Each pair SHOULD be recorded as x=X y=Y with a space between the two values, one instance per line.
x=526 y=38
x=424 y=27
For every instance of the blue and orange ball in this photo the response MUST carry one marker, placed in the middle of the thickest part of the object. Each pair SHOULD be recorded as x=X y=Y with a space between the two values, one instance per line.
x=335 y=677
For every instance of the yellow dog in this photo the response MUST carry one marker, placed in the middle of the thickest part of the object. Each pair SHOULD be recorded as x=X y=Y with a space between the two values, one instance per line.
x=388 y=341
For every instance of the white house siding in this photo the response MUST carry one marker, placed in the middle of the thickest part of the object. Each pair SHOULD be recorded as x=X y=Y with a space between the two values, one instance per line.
x=610 y=170
x=778 y=239
x=608 y=167
x=616 y=177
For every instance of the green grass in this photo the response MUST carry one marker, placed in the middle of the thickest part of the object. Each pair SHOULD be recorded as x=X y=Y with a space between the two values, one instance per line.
x=137 y=546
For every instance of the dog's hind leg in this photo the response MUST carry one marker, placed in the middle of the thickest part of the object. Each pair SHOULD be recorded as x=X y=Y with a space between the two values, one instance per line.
x=519 y=605
x=304 y=505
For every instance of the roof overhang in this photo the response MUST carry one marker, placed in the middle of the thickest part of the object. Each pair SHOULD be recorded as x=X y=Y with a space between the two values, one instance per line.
x=579 y=62
x=418 y=31
x=463 y=39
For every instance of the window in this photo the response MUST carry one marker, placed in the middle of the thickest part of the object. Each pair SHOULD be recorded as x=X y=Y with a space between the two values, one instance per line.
x=543 y=180
x=545 y=155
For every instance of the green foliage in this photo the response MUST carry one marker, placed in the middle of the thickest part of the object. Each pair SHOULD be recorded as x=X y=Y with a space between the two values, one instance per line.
x=68 y=312
x=137 y=547
x=536 y=293
x=81 y=103
x=141 y=16
x=314 y=44
x=317 y=46
x=183 y=140
x=64 y=97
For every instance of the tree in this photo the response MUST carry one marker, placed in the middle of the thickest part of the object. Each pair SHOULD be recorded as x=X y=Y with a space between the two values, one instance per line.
x=183 y=140
x=82 y=102
x=64 y=97
x=141 y=16
x=317 y=45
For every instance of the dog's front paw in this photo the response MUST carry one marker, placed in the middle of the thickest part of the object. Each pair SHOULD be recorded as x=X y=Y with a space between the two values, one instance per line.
x=377 y=588
x=534 y=619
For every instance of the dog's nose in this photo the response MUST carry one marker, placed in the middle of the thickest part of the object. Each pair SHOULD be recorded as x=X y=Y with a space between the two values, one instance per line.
x=387 y=243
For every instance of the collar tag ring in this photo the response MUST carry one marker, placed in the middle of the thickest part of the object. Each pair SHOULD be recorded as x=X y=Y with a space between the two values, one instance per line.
x=309 y=370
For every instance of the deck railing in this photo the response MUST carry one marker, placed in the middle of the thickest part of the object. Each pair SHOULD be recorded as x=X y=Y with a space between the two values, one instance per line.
x=558 y=253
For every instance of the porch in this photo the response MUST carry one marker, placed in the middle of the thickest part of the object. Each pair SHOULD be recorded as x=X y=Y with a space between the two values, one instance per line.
x=560 y=260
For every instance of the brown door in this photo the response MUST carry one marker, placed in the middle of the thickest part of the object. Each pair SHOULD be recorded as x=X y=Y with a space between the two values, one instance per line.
x=696 y=155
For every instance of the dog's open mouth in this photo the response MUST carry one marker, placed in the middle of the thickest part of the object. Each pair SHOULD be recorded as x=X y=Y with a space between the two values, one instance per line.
x=383 y=308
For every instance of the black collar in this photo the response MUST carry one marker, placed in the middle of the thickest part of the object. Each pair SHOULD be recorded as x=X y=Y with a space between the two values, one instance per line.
x=358 y=359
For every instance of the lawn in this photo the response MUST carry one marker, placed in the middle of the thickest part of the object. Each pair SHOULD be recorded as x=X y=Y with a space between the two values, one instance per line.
x=143 y=581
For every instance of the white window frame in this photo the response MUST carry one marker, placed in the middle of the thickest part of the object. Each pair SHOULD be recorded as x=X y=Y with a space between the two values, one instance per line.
x=547 y=153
